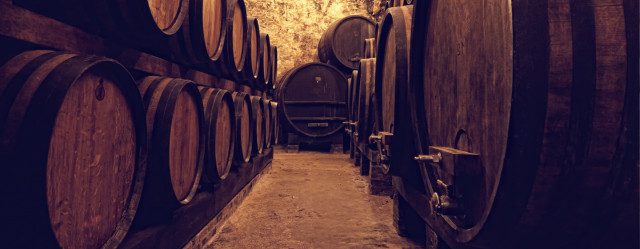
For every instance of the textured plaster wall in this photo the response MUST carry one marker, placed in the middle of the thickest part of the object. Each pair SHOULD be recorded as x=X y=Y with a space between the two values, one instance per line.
x=295 y=26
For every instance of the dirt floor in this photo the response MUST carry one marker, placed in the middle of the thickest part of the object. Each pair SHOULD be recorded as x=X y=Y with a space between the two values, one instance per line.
x=312 y=200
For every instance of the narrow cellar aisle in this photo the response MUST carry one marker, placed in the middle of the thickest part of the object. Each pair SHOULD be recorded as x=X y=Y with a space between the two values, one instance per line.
x=311 y=200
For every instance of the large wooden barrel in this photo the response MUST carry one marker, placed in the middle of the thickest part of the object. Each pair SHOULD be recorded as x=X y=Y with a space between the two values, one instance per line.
x=237 y=41
x=257 y=107
x=268 y=123
x=253 y=61
x=341 y=44
x=545 y=93
x=201 y=39
x=274 y=120
x=73 y=151
x=265 y=70
x=175 y=123
x=244 y=126
x=364 y=115
x=220 y=132
x=391 y=77
x=313 y=97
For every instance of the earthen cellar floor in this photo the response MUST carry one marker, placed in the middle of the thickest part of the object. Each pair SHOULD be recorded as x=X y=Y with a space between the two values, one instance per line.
x=311 y=200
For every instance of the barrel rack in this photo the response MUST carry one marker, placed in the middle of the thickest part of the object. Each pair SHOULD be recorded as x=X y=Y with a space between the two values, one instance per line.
x=22 y=29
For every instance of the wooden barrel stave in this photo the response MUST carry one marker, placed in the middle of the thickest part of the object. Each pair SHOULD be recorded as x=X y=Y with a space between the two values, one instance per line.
x=274 y=121
x=46 y=145
x=554 y=155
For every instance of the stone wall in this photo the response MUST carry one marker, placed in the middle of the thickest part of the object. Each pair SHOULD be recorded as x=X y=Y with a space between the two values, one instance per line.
x=295 y=26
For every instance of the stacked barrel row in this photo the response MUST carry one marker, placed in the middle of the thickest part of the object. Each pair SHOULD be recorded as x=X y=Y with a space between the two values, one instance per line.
x=88 y=152
x=507 y=124
x=214 y=36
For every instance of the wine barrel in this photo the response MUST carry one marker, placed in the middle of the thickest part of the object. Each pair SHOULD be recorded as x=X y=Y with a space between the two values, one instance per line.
x=141 y=24
x=391 y=77
x=220 y=126
x=268 y=123
x=73 y=150
x=257 y=107
x=201 y=39
x=244 y=126
x=341 y=44
x=369 y=48
x=237 y=41
x=546 y=97
x=313 y=99
x=274 y=68
x=364 y=114
x=265 y=70
x=274 y=120
x=253 y=61
x=175 y=124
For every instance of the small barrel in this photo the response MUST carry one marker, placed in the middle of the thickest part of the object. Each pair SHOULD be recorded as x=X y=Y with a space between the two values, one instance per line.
x=268 y=123
x=201 y=39
x=73 y=149
x=313 y=99
x=220 y=132
x=175 y=122
x=244 y=126
x=341 y=45
x=265 y=69
x=253 y=61
x=257 y=107
x=392 y=76
x=369 y=48
x=364 y=114
x=274 y=120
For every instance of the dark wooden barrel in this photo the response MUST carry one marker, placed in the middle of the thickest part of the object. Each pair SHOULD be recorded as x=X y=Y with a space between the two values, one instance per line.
x=274 y=121
x=268 y=123
x=314 y=99
x=341 y=44
x=364 y=114
x=391 y=77
x=265 y=70
x=237 y=42
x=253 y=61
x=369 y=48
x=220 y=132
x=176 y=128
x=73 y=151
x=274 y=68
x=257 y=107
x=244 y=126
x=547 y=97
x=201 y=39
